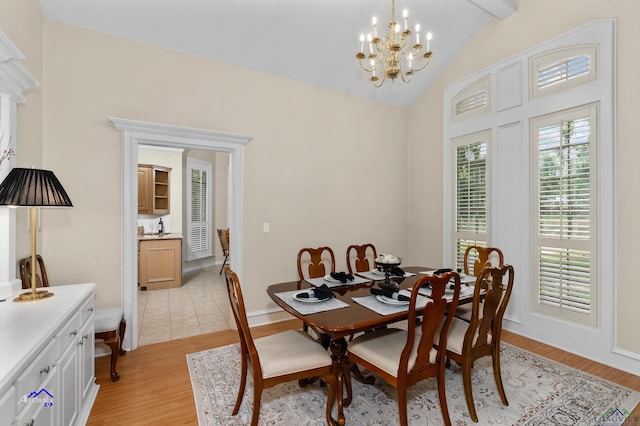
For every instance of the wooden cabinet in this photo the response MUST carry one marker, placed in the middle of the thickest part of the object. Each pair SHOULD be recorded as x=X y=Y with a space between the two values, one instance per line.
x=153 y=189
x=47 y=367
x=160 y=263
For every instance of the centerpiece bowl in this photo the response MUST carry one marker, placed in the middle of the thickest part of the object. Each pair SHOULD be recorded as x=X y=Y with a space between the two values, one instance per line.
x=386 y=262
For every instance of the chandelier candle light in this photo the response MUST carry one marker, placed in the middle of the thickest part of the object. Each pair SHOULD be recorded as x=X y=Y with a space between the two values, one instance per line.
x=394 y=51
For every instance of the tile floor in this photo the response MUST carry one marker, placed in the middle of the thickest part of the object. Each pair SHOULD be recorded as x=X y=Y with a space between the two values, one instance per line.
x=200 y=306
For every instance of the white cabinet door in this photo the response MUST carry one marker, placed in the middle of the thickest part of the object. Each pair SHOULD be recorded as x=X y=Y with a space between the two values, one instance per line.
x=69 y=387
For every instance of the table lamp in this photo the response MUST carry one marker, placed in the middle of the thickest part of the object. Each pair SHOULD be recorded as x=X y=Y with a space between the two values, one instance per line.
x=33 y=188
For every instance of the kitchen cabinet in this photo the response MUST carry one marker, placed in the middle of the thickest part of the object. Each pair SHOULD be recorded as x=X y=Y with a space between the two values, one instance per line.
x=46 y=365
x=153 y=189
x=160 y=262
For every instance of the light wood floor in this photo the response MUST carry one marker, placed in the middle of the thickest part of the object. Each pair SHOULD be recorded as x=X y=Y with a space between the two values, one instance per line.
x=155 y=389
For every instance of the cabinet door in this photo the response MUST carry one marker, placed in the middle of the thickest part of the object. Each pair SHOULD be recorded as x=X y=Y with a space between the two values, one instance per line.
x=144 y=190
x=86 y=358
x=69 y=400
x=160 y=264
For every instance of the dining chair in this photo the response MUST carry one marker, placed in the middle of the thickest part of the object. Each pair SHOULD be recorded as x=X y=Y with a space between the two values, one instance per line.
x=405 y=357
x=476 y=258
x=480 y=337
x=363 y=261
x=277 y=358
x=315 y=262
x=223 y=236
x=109 y=323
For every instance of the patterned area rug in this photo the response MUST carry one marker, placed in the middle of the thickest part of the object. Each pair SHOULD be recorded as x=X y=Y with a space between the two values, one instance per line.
x=540 y=392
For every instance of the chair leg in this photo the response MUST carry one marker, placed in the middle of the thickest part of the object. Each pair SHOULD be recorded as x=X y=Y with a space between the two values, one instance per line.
x=257 y=395
x=243 y=382
x=468 y=391
x=402 y=405
x=113 y=343
x=442 y=395
x=121 y=331
x=498 y=375
x=223 y=265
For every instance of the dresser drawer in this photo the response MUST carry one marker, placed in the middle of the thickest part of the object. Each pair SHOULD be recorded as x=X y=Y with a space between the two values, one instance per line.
x=37 y=372
x=86 y=311
x=68 y=334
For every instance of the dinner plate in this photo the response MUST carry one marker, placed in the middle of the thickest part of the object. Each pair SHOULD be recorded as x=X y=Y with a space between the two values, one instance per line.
x=308 y=299
x=376 y=272
x=390 y=301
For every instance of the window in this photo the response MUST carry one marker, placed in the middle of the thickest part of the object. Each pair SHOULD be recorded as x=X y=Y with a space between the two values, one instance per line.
x=562 y=68
x=472 y=100
x=199 y=201
x=564 y=196
x=470 y=193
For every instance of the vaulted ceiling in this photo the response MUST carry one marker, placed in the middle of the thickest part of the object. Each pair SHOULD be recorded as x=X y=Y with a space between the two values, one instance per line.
x=313 y=41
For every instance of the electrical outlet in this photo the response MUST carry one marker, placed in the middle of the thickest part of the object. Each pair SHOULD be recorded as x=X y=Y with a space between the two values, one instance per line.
x=265 y=227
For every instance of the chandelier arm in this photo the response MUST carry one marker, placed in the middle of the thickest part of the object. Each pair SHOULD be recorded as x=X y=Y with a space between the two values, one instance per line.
x=423 y=65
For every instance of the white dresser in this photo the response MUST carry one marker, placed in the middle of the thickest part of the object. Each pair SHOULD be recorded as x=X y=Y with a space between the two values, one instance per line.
x=47 y=372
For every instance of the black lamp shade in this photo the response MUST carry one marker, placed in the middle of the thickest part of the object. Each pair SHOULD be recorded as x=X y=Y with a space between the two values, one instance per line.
x=33 y=188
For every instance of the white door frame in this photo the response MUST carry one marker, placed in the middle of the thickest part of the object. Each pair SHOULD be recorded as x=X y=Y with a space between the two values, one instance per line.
x=135 y=132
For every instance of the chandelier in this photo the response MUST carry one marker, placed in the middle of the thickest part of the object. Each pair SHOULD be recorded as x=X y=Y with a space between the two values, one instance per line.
x=393 y=55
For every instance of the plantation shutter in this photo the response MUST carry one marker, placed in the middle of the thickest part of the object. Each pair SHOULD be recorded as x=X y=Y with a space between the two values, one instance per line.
x=565 y=198
x=199 y=241
x=471 y=193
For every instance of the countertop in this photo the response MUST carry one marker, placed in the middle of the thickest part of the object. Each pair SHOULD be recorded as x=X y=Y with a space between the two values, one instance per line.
x=168 y=236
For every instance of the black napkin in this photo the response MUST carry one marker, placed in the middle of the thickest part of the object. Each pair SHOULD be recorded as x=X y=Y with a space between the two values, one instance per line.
x=390 y=294
x=342 y=276
x=450 y=286
x=322 y=292
x=396 y=271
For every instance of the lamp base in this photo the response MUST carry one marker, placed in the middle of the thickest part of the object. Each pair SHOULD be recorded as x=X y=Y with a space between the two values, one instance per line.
x=30 y=296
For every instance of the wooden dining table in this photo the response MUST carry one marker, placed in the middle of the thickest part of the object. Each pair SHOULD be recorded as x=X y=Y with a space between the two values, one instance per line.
x=338 y=324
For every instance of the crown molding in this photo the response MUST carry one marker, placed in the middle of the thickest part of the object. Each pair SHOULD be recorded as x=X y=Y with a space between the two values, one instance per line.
x=14 y=77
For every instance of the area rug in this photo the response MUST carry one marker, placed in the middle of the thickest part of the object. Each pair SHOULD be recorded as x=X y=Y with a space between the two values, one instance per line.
x=540 y=392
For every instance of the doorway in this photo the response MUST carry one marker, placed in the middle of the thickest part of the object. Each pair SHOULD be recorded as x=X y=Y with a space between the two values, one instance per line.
x=134 y=133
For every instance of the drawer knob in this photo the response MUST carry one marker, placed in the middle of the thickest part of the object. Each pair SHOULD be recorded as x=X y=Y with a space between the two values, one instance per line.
x=45 y=370
x=73 y=333
x=90 y=309
x=31 y=422
x=86 y=336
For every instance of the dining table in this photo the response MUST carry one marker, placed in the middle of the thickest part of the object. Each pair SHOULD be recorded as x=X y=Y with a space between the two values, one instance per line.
x=353 y=310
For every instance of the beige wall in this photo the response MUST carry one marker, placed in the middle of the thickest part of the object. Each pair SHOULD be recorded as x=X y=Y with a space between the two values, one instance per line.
x=318 y=168
x=500 y=40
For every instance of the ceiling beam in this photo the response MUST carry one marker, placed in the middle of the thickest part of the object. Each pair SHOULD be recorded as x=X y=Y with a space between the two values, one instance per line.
x=498 y=8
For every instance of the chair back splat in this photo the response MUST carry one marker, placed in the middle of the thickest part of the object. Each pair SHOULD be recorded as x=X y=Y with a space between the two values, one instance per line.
x=363 y=261
x=318 y=262
x=482 y=257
